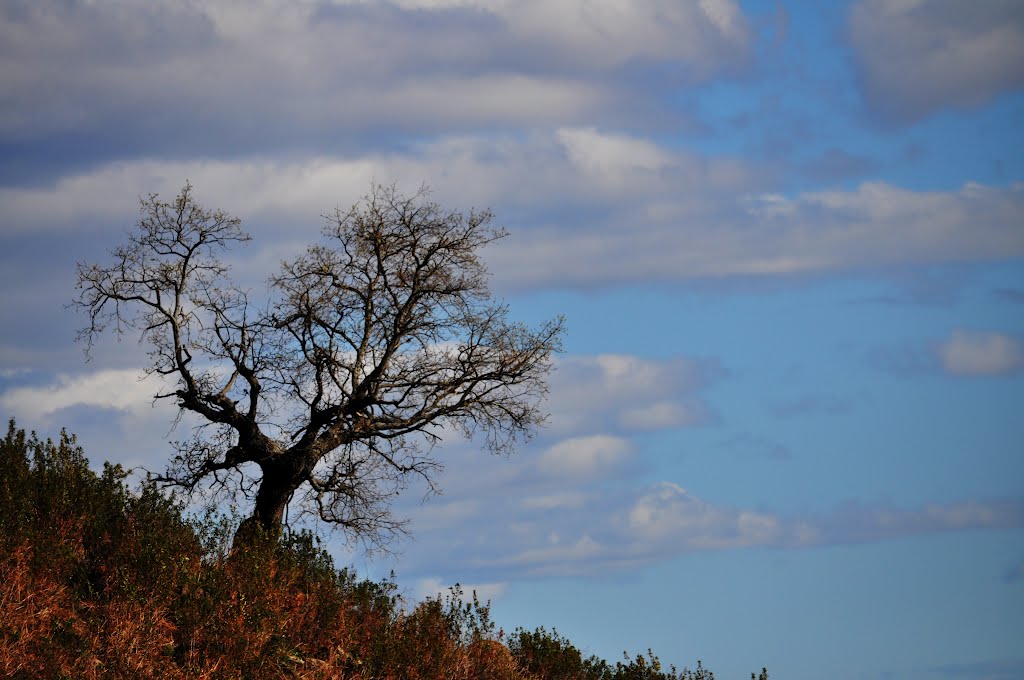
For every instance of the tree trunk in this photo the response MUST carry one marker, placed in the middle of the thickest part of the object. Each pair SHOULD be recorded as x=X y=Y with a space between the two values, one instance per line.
x=275 y=492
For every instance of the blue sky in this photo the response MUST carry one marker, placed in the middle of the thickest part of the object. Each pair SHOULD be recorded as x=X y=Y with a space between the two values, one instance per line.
x=787 y=237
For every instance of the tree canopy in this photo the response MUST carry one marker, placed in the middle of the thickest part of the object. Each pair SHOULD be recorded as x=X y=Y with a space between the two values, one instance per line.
x=369 y=348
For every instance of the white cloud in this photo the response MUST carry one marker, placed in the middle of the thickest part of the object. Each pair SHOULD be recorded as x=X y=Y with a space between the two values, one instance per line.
x=602 y=154
x=578 y=524
x=585 y=457
x=981 y=353
x=668 y=515
x=725 y=15
x=442 y=514
x=666 y=508
x=878 y=224
x=628 y=393
x=259 y=187
x=858 y=522
x=662 y=415
x=111 y=411
x=560 y=558
x=218 y=71
x=577 y=220
x=436 y=587
x=705 y=34
x=531 y=175
x=609 y=532
x=917 y=57
x=120 y=390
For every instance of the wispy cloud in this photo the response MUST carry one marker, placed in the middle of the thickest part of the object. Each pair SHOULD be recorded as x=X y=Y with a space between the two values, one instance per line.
x=748 y=445
x=1011 y=295
x=811 y=404
x=1014 y=573
x=969 y=352
x=595 y=520
x=986 y=669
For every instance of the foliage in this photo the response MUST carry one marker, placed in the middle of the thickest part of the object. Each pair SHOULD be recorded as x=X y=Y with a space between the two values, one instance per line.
x=549 y=656
x=100 y=581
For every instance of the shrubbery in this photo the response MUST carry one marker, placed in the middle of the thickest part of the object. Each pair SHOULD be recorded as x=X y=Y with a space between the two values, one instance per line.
x=99 y=581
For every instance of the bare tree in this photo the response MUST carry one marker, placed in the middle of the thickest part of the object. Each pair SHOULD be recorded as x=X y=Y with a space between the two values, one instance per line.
x=368 y=349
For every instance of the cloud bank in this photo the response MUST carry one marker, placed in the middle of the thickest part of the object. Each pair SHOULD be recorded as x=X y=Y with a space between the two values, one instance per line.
x=601 y=528
x=916 y=57
x=586 y=208
x=225 y=79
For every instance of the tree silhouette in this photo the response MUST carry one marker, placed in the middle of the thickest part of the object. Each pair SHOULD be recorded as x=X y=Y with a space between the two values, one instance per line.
x=372 y=345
